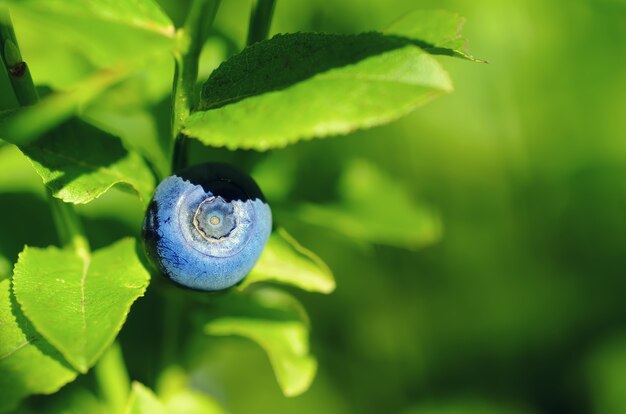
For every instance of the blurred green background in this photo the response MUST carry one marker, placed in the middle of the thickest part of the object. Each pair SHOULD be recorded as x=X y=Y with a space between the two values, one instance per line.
x=518 y=306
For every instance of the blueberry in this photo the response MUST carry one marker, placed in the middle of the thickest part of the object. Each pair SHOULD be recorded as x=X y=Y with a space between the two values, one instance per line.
x=206 y=226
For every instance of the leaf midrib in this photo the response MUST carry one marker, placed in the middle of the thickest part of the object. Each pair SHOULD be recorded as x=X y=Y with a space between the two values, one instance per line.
x=86 y=263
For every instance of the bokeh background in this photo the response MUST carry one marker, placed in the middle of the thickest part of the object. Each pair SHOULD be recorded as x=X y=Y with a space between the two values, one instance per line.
x=514 y=304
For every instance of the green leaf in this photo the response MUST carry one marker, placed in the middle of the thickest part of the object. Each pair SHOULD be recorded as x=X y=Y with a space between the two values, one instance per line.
x=305 y=85
x=175 y=392
x=143 y=401
x=90 y=298
x=79 y=163
x=284 y=260
x=375 y=208
x=28 y=364
x=438 y=30
x=107 y=31
x=139 y=132
x=277 y=322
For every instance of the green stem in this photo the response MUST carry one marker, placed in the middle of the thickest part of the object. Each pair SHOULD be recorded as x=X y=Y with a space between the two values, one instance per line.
x=68 y=225
x=112 y=378
x=260 y=20
x=172 y=317
x=67 y=222
x=19 y=74
x=192 y=36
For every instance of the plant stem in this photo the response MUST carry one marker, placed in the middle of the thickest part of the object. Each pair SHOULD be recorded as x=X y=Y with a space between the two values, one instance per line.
x=67 y=222
x=172 y=317
x=19 y=74
x=191 y=36
x=112 y=378
x=260 y=20
x=68 y=225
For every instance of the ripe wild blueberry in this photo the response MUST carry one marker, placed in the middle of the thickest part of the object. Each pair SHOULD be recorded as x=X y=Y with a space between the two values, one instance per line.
x=206 y=226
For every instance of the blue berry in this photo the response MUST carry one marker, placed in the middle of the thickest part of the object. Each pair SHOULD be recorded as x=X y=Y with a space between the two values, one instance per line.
x=206 y=226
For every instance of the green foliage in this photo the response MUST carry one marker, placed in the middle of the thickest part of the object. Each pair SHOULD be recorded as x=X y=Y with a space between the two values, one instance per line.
x=104 y=69
x=79 y=401
x=361 y=216
x=604 y=374
x=344 y=83
x=278 y=323
x=106 y=31
x=28 y=363
x=179 y=398
x=21 y=126
x=80 y=162
x=285 y=261
x=143 y=401
x=439 y=30
x=90 y=296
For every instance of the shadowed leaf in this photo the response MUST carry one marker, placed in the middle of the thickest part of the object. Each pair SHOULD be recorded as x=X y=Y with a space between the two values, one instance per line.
x=79 y=162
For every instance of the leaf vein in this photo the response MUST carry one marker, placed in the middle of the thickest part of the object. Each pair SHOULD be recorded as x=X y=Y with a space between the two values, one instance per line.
x=8 y=354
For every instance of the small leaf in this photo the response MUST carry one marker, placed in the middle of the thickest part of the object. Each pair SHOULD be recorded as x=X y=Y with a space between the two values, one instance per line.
x=374 y=208
x=143 y=401
x=307 y=85
x=284 y=260
x=277 y=322
x=79 y=305
x=28 y=364
x=439 y=30
x=79 y=163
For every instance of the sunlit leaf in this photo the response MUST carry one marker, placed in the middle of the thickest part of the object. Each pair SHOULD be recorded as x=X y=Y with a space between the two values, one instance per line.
x=28 y=363
x=277 y=322
x=302 y=86
x=284 y=260
x=107 y=31
x=90 y=297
